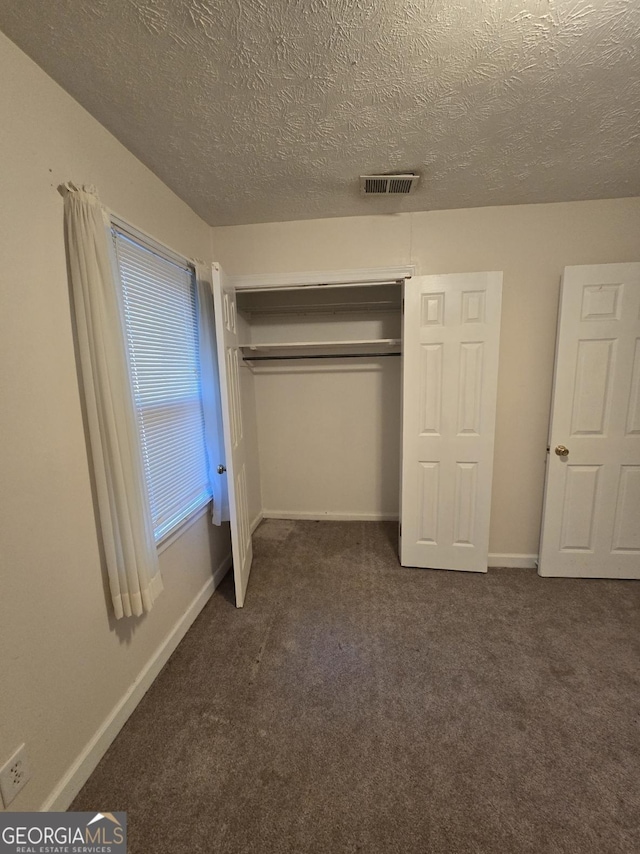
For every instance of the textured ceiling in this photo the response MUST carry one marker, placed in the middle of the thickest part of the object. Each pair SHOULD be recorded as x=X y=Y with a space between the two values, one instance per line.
x=258 y=110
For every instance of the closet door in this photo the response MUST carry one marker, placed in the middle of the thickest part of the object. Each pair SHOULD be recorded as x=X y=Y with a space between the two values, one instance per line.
x=229 y=361
x=591 y=518
x=450 y=371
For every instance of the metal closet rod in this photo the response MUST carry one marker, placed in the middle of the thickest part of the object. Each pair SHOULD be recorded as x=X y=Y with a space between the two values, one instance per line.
x=317 y=356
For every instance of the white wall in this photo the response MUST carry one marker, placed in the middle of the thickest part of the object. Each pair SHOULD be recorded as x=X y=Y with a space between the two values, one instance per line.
x=531 y=244
x=329 y=438
x=64 y=663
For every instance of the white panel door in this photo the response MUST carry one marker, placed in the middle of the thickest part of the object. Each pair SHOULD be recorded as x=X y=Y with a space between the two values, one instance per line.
x=229 y=361
x=450 y=374
x=591 y=519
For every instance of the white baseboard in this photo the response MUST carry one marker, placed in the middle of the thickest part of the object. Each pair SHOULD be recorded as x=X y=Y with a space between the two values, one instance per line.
x=514 y=561
x=330 y=517
x=92 y=753
x=257 y=521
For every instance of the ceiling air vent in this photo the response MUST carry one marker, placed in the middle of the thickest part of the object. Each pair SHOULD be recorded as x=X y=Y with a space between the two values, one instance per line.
x=388 y=185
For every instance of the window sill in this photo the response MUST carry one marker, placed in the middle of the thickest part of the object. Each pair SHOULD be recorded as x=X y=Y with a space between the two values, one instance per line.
x=173 y=535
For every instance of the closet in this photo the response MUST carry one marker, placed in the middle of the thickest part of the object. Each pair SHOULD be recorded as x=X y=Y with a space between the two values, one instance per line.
x=320 y=322
x=369 y=397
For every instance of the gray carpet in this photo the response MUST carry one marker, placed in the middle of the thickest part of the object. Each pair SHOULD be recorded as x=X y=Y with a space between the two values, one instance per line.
x=355 y=706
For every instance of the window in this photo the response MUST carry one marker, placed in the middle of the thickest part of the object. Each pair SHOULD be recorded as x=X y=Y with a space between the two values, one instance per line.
x=159 y=300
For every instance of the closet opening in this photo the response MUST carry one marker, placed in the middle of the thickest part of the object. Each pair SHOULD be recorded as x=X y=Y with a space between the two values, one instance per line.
x=324 y=366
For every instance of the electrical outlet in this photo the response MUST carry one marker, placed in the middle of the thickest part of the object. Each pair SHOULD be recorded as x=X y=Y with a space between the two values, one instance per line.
x=14 y=774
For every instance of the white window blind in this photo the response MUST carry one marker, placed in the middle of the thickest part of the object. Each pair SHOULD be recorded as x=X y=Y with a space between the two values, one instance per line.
x=159 y=302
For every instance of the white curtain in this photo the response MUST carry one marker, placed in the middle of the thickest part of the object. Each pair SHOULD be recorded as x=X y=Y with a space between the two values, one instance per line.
x=116 y=454
x=214 y=437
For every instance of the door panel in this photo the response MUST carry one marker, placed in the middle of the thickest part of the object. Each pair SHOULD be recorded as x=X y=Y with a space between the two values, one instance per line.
x=470 y=388
x=228 y=359
x=450 y=366
x=626 y=534
x=592 y=397
x=633 y=414
x=592 y=494
x=464 y=520
x=581 y=489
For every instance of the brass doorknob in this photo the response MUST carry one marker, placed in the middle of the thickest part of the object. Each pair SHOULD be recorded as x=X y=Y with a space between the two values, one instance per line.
x=561 y=451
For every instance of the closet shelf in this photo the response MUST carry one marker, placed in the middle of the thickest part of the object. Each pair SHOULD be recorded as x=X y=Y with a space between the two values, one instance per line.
x=260 y=304
x=329 y=348
x=388 y=306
